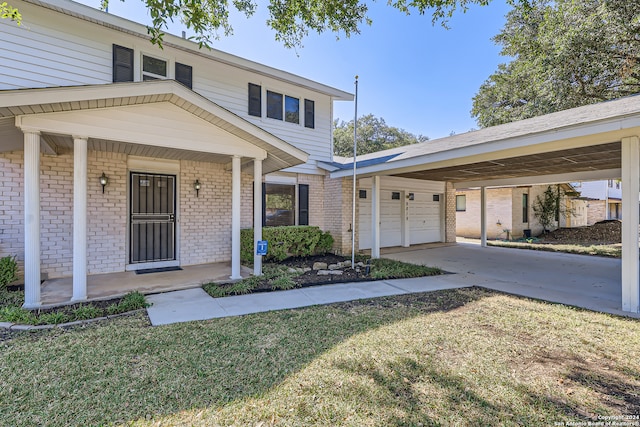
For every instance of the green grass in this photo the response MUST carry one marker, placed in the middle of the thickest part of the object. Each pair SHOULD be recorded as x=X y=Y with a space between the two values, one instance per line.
x=383 y=268
x=465 y=357
x=614 y=251
x=11 y=310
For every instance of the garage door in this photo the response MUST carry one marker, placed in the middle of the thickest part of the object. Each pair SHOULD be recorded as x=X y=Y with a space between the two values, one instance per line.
x=390 y=219
x=424 y=218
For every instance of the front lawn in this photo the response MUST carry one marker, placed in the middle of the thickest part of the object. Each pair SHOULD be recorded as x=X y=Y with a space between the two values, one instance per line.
x=463 y=357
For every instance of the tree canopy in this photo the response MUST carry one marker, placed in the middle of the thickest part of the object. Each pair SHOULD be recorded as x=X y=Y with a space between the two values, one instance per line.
x=566 y=53
x=290 y=19
x=373 y=135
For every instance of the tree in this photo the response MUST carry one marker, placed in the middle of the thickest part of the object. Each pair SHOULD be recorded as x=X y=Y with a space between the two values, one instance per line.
x=373 y=135
x=9 y=12
x=548 y=208
x=290 y=19
x=566 y=53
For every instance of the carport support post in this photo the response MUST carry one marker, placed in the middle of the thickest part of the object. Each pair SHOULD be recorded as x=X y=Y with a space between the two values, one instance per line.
x=483 y=217
x=79 y=218
x=257 y=215
x=31 y=219
x=375 y=217
x=235 y=218
x=630 y=219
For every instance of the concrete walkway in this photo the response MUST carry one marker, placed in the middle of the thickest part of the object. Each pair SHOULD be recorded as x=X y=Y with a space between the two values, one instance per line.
x=196 y=304
x=583 y=281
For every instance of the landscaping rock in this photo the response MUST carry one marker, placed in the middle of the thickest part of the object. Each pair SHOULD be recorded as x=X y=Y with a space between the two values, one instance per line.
x=319 y=265
x=304 y=270
x=294 y=270
x=329 y=272
x=334 y=267
x=346 y=263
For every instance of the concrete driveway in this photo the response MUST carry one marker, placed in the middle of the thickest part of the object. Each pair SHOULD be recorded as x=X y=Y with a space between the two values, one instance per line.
x=579 y=280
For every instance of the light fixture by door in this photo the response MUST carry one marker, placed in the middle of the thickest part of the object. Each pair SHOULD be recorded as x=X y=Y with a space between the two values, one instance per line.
x=196 y=186
x=104 y=180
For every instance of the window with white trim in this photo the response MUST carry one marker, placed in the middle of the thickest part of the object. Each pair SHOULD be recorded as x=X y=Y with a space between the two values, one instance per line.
x=153 y=68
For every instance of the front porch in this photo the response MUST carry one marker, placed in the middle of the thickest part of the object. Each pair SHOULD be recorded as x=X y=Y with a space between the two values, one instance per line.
x=127 y=176
x=59 y=291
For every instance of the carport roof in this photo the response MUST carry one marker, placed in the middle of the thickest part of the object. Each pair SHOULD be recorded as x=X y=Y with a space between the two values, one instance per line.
x=582 y=141
x=25 y=102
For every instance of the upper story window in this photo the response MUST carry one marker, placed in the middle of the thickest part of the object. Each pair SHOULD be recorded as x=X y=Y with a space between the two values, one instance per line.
x=309 y=114
x=255 y=100
x=274 y=105
x=184 y=74
x=291 y=109
x=280 y=106
x=153 y=68
x=122 y=64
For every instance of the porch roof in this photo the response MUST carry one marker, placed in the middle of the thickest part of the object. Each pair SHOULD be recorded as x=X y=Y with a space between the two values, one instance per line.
x=18 y=105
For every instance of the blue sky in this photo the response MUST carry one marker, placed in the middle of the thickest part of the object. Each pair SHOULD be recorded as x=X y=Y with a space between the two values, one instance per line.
x=415 y=76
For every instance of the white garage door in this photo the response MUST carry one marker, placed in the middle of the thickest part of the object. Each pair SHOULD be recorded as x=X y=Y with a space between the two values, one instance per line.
x=424 y=218
x=390 y=219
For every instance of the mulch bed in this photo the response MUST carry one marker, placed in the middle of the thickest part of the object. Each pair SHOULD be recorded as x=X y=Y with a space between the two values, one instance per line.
x=311 y=278
x=601 y=233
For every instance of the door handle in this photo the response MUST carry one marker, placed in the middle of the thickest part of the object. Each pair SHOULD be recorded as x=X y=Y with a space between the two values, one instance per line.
x=172 y=217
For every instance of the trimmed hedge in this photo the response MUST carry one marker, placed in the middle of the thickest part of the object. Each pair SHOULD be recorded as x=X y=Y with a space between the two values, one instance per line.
x=286 y=241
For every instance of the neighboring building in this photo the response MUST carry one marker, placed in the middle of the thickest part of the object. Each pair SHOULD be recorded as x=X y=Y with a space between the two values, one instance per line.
x=510 y=213
x=604 y=199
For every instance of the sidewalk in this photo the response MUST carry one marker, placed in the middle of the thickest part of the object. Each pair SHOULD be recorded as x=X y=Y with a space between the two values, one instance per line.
x=195 y=304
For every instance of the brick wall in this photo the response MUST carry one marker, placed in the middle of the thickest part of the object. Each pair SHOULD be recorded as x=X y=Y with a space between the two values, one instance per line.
x=450 y=213
x=499 y=215
x=338 y=212
x=12 y=206
x=205 y=221
x=107 y=213
x=597 y=211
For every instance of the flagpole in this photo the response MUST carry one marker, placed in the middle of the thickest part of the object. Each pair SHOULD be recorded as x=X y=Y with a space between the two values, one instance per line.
x=353 y=205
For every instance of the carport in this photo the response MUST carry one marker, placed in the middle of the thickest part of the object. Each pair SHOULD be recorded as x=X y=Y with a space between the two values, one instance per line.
x=593 y=142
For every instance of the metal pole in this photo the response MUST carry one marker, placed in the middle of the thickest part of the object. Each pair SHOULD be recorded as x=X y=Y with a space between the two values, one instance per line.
x=353 y=213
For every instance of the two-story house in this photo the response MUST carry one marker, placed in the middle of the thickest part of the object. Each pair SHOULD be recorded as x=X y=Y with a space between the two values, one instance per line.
x=117 y=155
x=604 y=199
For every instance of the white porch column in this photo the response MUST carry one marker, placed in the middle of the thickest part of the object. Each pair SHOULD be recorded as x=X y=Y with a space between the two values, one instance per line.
x=257 y=215
x=235 y=218
x=483 y=217
x=630 y=219
x=32 y=220
x=375 y=217
x=79 y=218
x=404 y=220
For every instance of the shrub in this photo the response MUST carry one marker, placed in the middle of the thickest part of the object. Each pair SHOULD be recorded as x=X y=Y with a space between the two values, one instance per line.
x=17 y=315
x=85 y=312
x=286 y=241
x=8 y=270
x=53 y=318
x=132 y=301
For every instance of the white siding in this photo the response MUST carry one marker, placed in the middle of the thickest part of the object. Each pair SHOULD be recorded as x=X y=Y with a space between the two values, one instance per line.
x=52 y=49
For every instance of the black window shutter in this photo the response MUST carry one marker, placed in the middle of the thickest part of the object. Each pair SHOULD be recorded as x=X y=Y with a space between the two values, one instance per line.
x=309 y=114
x=184 y=74
x=264 y=204
x=255 y=100
x=122 y=64
x=303 y=204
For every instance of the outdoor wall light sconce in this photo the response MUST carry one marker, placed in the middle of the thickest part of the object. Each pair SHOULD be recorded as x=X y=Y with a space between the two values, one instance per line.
x=104 y=180
x=196 y=186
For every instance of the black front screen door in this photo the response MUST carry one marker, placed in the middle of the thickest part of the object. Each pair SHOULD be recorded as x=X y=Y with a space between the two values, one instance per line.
x=153 y=208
